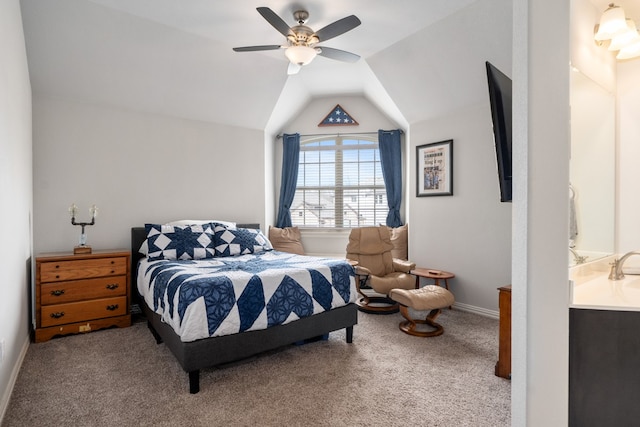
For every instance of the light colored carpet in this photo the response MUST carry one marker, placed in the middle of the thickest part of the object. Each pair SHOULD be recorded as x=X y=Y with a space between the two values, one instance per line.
x=120 y=377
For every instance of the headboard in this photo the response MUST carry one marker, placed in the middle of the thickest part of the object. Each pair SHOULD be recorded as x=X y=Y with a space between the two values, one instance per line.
x=138 y=236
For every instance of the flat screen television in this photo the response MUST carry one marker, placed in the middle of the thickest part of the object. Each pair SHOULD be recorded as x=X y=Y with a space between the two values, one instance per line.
x=500 y=99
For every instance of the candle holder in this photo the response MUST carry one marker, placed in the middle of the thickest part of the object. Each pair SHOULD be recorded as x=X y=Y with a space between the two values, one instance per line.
x=82 y=247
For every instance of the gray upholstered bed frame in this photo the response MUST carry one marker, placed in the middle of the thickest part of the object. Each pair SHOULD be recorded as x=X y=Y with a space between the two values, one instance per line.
x=209 y=352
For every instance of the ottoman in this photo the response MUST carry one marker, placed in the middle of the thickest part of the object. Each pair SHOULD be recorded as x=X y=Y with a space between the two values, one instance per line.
x=430 y=297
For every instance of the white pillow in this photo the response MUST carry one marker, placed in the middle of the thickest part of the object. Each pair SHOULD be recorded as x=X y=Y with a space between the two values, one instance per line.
x=182 y=222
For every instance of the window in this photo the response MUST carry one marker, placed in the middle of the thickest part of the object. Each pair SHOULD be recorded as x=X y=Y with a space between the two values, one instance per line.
x=339 y=184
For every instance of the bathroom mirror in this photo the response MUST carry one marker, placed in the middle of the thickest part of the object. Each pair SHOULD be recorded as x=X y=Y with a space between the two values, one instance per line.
x=592 y=170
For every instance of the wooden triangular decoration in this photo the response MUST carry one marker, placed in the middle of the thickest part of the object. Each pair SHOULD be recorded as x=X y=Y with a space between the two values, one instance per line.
x=338 y=117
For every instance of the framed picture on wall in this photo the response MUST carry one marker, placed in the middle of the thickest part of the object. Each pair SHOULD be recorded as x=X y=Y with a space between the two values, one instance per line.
x=435 y=169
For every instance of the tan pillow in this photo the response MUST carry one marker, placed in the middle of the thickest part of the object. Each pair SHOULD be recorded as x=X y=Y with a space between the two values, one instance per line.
x=400 y=241
x=286 y=239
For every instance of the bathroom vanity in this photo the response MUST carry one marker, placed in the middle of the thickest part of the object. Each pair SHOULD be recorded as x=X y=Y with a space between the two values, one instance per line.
x=604 y=347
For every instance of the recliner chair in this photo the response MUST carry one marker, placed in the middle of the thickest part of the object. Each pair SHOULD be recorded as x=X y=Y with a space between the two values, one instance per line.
x=371 y=248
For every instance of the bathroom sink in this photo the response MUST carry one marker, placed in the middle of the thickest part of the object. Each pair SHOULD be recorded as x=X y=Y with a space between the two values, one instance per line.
x=600 y=292
x=631 y=281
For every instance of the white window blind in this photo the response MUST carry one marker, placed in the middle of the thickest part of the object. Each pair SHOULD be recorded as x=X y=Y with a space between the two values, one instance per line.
x=340 y=183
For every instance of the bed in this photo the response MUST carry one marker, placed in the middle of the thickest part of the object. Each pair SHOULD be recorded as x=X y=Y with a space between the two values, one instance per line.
x=230 y=341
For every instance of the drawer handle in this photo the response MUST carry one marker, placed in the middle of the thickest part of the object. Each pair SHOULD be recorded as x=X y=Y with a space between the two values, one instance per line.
x=57 y=315
x=112 y=307
x=112 y=286
x=57 y=292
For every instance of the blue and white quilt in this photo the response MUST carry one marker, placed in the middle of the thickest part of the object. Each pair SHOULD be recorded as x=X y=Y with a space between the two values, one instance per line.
x=227 y=295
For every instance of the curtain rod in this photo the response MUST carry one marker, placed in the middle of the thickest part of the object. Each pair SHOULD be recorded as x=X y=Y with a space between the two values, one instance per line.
x=340 y=134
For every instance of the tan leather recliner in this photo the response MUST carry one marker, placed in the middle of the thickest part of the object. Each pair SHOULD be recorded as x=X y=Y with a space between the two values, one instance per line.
x=371 y=248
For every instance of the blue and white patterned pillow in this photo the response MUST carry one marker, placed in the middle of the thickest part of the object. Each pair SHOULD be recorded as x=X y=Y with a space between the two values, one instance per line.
x=239 y=241
x=179 y=242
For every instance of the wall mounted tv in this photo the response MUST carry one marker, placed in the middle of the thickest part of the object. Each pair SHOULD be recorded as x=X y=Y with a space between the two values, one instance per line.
x=500 y=99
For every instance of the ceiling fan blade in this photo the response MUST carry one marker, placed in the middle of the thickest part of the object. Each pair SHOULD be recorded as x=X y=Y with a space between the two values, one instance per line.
x=293 y=68
x=273 y=19
x=341 y=26
x=256 y=48
x=337 y=54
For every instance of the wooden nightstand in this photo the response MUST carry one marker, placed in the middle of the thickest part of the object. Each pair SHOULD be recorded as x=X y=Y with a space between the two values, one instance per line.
x=81 y=293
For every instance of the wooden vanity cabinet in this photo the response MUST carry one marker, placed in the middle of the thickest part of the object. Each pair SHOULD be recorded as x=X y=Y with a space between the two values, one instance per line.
x=81 y=293
x=604 y=367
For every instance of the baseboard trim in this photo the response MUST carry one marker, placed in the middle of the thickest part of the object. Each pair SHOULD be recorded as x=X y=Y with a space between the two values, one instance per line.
x=477 y=310
x=4 y=402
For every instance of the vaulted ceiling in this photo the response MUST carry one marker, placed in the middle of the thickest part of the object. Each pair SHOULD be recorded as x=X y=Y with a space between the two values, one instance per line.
x=175 y=57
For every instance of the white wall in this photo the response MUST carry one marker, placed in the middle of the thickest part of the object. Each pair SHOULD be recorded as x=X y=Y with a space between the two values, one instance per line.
x=593 y=163
x=540 y=296
x=137 y=168
x=592 y=169
x=628 y=230
x=15 y=196
x=468 y=233
x=440 y=69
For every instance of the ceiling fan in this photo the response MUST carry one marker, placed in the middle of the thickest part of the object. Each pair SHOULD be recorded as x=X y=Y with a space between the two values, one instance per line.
x=301 y=44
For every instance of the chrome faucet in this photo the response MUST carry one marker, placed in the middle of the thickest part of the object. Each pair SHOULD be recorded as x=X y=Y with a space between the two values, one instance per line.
x=579 y=259
x=616 y=266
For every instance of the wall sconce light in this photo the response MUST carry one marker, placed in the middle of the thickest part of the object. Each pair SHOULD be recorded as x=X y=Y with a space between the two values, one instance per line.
x=620 y=31
x=631 y=49
x=82 y=248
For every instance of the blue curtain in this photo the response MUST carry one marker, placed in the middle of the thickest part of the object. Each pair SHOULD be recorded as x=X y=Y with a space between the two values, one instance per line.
x=391 y=162
x=290 y=156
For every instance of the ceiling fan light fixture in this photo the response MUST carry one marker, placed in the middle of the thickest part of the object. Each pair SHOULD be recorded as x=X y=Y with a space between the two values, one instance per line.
x=301 y=46
x=301 y=55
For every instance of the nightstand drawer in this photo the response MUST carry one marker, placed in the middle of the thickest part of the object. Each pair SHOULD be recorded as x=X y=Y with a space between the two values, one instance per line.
x=79 y=290
x=82 y=269
x=60 y=314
